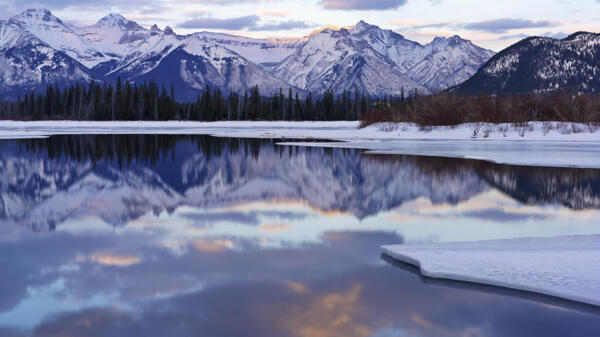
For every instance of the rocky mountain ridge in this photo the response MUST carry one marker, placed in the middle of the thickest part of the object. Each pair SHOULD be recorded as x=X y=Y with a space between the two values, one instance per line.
x=352 y=59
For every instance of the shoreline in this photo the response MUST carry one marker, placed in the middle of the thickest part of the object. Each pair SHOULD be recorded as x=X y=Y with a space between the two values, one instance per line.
x=551 y=144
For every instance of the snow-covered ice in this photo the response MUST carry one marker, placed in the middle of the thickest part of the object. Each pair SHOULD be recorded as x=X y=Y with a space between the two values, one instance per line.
x=566 y=267
x=538 y=144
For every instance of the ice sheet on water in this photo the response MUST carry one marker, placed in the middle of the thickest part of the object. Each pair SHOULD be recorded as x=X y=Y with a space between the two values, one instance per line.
x=566 y=267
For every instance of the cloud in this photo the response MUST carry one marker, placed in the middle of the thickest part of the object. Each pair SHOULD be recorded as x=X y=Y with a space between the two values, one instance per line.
x=514 y=36
x=249 y=22
x=558 y=35
x=110 y=259
x=361 y=4
x=411 y=26
x=283 y=25
x=238 y=23
x=273 y=228
x=274 y=13
x=61 y=4
x=504 y=24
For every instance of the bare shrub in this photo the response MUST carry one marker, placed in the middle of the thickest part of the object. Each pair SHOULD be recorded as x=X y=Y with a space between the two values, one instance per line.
x=453 y=109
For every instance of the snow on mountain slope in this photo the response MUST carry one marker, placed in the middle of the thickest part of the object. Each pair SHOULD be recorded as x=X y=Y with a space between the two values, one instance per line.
x=334 y=59
x=367 y=58
x=147 y=55
x=27 y=63
x=541 y=64
x=58 y=35
x=115 y=36
x=448 y=62
x=257 y=51
x=190 y=64
x=404 y=53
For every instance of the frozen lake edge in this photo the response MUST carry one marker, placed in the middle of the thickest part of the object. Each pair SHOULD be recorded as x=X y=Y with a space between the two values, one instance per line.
x=565 y=267
x=553 y=144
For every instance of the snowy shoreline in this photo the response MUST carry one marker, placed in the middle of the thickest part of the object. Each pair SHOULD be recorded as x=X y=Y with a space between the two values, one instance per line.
x=566 y=267
x=333 y=130
x=537 y=143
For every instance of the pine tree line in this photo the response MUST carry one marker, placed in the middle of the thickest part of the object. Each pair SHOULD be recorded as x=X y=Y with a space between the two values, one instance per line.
x=150 y=101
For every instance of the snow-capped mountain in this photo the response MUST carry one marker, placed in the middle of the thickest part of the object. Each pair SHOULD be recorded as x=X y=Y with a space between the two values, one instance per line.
x=541 y=64
x=360 y=58
x=191 y=64
x=114 y=36
x=27 y=63
x=448 y=62
x=58 y=35
x=366 y=58
x=338 y=60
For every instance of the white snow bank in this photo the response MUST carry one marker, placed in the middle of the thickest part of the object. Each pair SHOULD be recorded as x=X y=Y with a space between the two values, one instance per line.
x=566 y=267
x=540 y=144
x=337 y=130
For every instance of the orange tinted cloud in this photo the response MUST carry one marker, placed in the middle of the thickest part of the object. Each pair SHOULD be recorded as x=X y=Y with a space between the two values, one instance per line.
x=110 y=259
x=266 y=228
x=334 y=314
x=212 y=246
x=274 y=13
x=297 y=287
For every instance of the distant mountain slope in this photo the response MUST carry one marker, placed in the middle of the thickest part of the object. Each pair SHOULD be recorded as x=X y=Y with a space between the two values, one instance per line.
x=541 y=64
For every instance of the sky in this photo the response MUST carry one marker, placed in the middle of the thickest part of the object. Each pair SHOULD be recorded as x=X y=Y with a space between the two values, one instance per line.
x=491 y=24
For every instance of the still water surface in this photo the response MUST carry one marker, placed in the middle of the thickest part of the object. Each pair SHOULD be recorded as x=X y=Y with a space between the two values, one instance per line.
x=149 y=235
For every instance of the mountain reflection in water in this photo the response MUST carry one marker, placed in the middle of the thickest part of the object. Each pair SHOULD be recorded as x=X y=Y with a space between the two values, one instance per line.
x=159 y=235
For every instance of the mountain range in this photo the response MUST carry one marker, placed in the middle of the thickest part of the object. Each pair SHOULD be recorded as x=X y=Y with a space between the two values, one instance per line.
x=37 y=49
x=541 y=64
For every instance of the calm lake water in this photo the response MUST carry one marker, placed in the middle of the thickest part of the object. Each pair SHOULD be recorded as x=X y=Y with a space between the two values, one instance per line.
x=148 y=235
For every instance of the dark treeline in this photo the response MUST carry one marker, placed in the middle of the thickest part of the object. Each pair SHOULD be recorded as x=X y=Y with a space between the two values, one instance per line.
x=150 y=101
x=452 y=109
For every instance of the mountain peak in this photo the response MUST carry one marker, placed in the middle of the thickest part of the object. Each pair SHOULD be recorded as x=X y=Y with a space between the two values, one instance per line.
x=113 y=19
x=37 y=11
x=452 y=40
x=361 y=26
x=169 y=31
x=34 y=14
